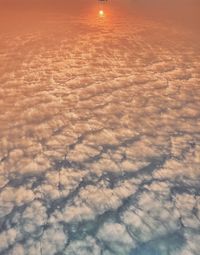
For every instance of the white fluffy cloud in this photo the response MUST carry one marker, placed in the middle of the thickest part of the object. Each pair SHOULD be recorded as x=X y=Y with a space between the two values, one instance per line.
x=99 y=135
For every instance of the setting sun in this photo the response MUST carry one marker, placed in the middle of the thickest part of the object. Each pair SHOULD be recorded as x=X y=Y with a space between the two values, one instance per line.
x=101 y=13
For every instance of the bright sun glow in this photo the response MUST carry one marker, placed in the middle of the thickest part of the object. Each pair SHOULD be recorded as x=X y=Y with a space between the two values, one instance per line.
x=101 y=13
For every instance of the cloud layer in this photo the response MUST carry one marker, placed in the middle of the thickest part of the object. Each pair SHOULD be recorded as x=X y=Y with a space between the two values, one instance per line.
x=99 y=137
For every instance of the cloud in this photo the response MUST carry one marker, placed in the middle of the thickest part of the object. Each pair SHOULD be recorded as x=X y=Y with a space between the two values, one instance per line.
x=99 y=133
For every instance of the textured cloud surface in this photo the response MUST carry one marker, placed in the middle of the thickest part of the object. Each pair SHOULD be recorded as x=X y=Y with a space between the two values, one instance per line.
x=99 y=135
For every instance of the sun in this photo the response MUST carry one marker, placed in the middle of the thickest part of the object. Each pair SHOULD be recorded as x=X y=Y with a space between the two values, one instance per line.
x=101 y=13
